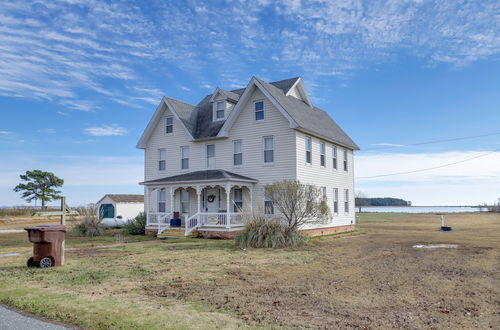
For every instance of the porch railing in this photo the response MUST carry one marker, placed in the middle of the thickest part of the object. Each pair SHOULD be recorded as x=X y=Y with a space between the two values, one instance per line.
x=213 y=220
x=159 y=219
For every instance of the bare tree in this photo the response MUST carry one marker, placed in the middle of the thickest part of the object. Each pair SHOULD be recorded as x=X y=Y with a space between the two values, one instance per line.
x=361 y=200
x=297 y=203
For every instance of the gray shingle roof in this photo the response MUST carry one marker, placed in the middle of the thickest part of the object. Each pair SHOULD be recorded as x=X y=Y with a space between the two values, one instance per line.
x=198 y=119
x=126 y=198
x=310 y=119
x=205 y=175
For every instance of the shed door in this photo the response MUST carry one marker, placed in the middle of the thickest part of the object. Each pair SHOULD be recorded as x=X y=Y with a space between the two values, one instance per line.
x=107 y=211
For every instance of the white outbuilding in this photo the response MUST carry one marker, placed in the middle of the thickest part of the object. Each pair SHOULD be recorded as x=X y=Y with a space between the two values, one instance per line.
x=120 y=206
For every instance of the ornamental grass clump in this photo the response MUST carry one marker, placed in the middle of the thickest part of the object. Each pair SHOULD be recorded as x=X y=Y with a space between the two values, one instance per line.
x=90 y=225
x=264 y=232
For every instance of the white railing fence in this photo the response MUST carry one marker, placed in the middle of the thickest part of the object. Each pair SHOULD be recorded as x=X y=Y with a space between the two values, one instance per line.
x=162 y=220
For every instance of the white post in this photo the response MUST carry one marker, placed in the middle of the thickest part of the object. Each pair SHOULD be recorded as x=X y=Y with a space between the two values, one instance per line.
x=147 y=203
x=63 y=222
x=442 y=221
x=172 y=191
x=250 y=189
x=228 y=204
x=198 y=194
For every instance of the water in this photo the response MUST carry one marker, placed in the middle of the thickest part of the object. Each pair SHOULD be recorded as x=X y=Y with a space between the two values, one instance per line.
x=421 y=209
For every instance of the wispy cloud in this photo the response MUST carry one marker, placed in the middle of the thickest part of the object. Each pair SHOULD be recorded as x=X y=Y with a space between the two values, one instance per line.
x=474 y=181
x=82 y=47
x=106 y=130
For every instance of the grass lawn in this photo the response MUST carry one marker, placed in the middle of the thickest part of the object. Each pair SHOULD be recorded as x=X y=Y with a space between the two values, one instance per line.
x=372 y=278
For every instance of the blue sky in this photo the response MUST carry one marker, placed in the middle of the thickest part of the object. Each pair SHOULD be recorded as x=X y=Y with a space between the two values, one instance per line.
x=79 y=81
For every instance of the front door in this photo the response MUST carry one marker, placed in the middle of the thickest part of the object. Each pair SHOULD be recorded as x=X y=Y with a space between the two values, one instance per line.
x=212 y=200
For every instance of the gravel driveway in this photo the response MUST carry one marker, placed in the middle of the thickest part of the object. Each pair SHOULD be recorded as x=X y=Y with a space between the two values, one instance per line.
x=11 y=320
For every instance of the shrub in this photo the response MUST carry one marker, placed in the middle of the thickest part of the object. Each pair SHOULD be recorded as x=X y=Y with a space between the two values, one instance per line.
x=90 y=225
x=137 y=226
x=262 y=232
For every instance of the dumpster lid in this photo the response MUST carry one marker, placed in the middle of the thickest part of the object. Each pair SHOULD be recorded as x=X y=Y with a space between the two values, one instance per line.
x=48 y=227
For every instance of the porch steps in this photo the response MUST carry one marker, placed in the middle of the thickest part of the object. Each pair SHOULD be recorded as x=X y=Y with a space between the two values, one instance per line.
x=176 y=233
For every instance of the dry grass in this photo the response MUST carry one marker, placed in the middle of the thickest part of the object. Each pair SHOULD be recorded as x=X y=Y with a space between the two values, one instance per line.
x=374 y=280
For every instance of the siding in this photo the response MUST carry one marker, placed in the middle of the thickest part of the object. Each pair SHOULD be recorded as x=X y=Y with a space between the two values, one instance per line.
x=289 y=158
x=327 y=176
x=245 y=129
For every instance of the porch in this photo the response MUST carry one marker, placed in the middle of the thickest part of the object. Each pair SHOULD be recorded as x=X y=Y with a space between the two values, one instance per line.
x=211 y=200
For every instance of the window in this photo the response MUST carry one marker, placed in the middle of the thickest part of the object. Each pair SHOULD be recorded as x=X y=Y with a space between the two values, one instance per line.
x=308 y=150
x=268 y=150
x=184 y=158
x=323 y=193
x=237 y=153
x=346 y=201
x=334 y=157
x=268 y=205
x=345 y=160
x=322 y=159
x=162 y=156
x=335 y=200
x=259 y=110
x=210 y=155
x=219 y=110
x=184 y=201
x=161 y=200
x=238 y=200
x=169 y=125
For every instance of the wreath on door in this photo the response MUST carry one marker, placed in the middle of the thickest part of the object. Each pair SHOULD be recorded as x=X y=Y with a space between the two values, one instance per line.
x=211 y=198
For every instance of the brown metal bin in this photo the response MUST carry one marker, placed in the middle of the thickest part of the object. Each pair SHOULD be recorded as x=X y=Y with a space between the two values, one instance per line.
x=47 y=245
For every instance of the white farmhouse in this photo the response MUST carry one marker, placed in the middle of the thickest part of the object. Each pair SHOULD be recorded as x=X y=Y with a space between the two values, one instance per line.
x=205 y=163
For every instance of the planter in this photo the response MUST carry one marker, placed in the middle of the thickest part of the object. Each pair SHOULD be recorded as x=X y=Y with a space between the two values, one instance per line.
x=175 y=222
x=445 y=228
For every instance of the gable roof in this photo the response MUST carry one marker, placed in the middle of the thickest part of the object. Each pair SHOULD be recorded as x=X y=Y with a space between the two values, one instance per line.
x=197 y=119
x=124 y=198
x=204 y=175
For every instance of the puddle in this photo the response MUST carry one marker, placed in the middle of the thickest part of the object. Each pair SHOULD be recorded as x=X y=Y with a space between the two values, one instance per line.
x=435 y=246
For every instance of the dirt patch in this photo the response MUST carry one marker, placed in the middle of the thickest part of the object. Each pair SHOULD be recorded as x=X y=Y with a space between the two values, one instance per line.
x=373 y=281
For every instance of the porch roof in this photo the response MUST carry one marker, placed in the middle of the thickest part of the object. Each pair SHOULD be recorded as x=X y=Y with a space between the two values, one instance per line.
x=202 y=176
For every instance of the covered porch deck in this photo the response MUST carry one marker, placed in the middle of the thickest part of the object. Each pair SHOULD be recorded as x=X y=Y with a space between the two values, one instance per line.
x=210 y=200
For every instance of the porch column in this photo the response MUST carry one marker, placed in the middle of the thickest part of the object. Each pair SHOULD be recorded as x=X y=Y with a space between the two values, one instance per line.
x=198 y=194
x=147 y=202
x=228 y=204
x=172 y=191
x=250 y=189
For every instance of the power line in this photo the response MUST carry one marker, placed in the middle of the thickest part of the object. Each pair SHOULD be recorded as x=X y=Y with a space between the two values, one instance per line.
x=432 y=142
x=429 y=168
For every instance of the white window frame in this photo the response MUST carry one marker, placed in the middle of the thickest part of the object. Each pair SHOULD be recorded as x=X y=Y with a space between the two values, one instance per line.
x=237 y=153
x=335 y=201
x=308 y=155
x=334 y=158
x=268 y=210
x=184 y=207
x=216 y=110
x=162 y=200
x=323 y=193
x=237 y=203
x=210 y=159
x=255 y=111
x=169 y=125
x=182 y=158
x=322 y=154
x=346 y=201
x=264 y=149
x=346 y=163
x=160 y=160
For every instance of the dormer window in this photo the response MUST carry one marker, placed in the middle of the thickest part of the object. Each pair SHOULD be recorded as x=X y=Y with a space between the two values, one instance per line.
x=220 y=108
